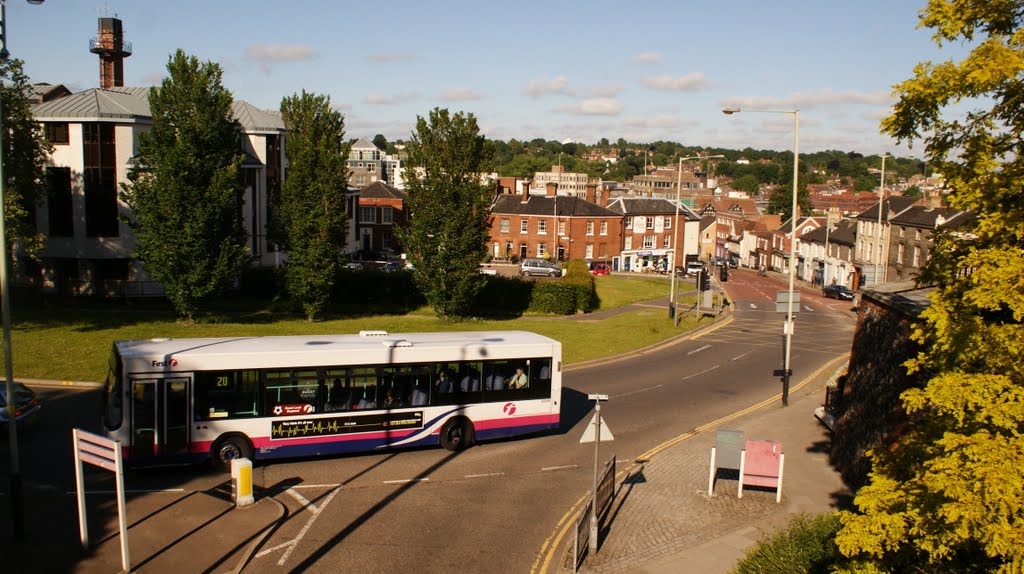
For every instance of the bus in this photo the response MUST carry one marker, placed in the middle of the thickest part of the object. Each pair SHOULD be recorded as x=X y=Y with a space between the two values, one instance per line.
x=193 y=400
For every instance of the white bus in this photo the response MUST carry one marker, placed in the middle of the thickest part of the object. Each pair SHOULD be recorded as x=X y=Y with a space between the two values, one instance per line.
x=191 y=400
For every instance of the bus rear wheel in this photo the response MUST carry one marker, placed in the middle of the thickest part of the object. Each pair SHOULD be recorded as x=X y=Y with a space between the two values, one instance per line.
x=457 y=434
x=228 y=448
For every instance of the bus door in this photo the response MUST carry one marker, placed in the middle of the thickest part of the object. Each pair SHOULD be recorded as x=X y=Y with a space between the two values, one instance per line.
x=160 y=429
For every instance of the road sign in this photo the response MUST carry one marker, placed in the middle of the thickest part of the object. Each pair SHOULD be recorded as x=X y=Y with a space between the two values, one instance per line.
x=588 y=435
x=782 y=301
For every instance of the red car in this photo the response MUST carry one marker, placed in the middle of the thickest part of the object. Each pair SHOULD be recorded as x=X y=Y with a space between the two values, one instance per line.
x=600 y=269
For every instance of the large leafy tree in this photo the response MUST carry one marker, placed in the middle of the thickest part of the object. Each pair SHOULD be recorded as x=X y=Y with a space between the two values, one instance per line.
x=312 y=199
x=448 y=234
x=949 y=495
x=185 y=192
x=25 y=151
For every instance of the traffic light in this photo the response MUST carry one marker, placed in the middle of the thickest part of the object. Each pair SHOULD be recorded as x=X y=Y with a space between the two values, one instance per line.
x=704 y=278
x=723 y=274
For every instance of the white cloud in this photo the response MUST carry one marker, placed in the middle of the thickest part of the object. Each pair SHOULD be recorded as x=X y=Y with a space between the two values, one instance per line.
x=594 y=107
x=688 y=83
x=389 y=56
x=607 y=91
x=657 y=122
x=537 y=88
x=460 y=95
x=647 y=58
x=801 y=100
x=382 y=100
x=279 y=53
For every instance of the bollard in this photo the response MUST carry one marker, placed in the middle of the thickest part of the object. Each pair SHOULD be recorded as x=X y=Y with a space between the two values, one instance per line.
x=241 y=482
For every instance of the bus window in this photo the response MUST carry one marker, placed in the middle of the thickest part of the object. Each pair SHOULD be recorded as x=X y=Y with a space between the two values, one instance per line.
x=540 y=377
x=292 y=393
x=364 y=388
x=226 y=394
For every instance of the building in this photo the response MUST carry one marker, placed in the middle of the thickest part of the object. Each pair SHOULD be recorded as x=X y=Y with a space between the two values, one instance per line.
x=668 y=183
x=365 y=163
x=657 y=234
x=382 y=208
x=87 y=246
x=873 y=238
x=569 y=183
x=550 y=226
x=828 y=253
x=912 y=238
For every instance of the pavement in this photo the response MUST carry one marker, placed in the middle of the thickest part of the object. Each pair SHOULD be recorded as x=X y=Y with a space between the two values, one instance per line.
x=661 y=520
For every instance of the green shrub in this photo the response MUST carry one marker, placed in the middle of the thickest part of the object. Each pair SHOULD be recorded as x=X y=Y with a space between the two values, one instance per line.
x=554 y=297
x=579 y=277
x=805 y=546
x=503 y=296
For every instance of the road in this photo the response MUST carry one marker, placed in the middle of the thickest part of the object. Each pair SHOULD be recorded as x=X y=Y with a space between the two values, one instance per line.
x=491 y=508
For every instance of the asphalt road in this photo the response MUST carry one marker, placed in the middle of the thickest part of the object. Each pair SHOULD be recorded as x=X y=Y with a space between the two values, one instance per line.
x=490 y=508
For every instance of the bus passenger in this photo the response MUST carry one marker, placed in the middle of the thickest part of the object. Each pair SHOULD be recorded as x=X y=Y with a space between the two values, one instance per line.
x=518 y=380
x=471 y=382
x=444 y=384
x=338 y=398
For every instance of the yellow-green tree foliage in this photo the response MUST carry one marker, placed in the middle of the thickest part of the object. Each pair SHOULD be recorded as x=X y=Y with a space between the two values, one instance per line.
x=949 y=495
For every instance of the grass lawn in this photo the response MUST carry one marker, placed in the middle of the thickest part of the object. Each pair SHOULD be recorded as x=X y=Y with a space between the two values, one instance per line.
x=72 y=343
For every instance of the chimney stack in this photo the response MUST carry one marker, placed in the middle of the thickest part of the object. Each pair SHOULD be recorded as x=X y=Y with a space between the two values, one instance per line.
x=592 y=192
x=526 y=190
x=552 y=189
x=112 y=50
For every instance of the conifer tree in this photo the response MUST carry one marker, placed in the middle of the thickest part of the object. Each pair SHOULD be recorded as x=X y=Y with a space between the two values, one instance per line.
x=312 y=199
x=185 y=192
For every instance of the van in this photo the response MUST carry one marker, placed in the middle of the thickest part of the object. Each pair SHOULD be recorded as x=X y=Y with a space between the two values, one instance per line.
x=539 y=267
x=695 y=267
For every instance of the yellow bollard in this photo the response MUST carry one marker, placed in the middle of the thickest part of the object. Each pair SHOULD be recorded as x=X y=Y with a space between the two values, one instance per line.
x=241 y=482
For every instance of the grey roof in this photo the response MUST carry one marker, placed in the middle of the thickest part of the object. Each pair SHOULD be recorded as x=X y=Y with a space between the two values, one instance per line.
x=132 y=104
x=512 y=204
x=844 y=232
x=363 y=143
x=896 y=204
x=650 y=206
x=381 y=190
x=920 y=216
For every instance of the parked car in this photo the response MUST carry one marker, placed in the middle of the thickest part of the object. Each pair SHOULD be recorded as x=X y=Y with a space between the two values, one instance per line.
x=695 y=267
x=393 y=265
x=600 y=269
x=26 y=405
x=539 y=267
x=838 y=292
x=354 y=266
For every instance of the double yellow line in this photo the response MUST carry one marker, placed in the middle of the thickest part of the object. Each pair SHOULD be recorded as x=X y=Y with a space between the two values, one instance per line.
x=553 y=542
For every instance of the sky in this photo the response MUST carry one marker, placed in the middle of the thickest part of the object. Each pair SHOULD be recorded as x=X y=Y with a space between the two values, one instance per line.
x=559 y=70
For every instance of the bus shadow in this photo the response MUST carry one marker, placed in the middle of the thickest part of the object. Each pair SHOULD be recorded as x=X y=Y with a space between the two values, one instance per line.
x=575 y=406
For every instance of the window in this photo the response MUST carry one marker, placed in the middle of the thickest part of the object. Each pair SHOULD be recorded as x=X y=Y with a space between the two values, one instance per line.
x=561 y=228
x=504 y=225
x=668 y=223
x=226 y=394
x=650 y=222
x=57 y=133
x=602 y=251
x=648 y=241
x=371 y=167
x=542 y=226
x=917 y=257
x=524 y=226
x=589 y=254
x=902 y=230
x=359 y=180
x=385 y=240
x=666 y=242
x=58 y=201
x=99 y=180
x=386 y=215
x=628 y=244
x=917 y=235
x=590 y=228
x=367 y=215
x=899 y=254
x=542 y=249
x=604 y=228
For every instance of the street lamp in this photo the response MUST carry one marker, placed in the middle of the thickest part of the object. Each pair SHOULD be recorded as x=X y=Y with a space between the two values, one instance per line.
x=878 y=242
x=788 y=327
x=17 y=508
x=675 y=231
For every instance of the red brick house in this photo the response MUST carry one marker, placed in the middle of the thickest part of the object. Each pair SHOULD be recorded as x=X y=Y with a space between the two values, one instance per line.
x=381 y=209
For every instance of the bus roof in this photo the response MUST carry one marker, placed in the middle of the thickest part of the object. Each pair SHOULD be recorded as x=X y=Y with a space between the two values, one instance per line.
x=313 y=350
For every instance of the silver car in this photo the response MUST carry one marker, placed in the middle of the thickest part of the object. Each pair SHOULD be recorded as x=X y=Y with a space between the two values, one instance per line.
x=26 y=405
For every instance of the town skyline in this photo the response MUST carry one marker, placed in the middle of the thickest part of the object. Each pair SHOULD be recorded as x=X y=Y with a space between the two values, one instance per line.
x=552 y=71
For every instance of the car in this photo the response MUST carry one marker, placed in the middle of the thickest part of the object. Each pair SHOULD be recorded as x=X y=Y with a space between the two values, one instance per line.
x=530 y=267
x=26 y=405
x=354 y=266
x=391 y=266
x=600 y=269
x=838 y=292
x=695 y=267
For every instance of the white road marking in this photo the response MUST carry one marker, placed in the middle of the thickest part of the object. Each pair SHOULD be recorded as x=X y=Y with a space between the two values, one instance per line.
x=299 y=486
x=566 y=467
x=303 y=501
x=636 y=391
x=407 y=480
x=806 y=308
x=263 y=553
x=305 y=529
x=738 y=357
x=485 y=475
x=700 y=373
x=699 y=350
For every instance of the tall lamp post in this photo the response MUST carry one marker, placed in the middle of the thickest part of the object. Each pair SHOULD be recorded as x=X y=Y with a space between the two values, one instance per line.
x=675 y=231
x=17 y=508
x=787 y=372
x=878 y=242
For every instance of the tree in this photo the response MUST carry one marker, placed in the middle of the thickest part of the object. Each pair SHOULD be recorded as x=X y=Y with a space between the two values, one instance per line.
x=313 y=198
x=450 y=210
x=780 y=201
x=912 y=191
x=381 y=142
x=949 y=495
x=185 y=191
x=746 y=183
x=25 y=152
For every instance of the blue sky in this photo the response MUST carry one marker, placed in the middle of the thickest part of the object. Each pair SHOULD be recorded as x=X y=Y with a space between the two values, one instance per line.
x=558 y=70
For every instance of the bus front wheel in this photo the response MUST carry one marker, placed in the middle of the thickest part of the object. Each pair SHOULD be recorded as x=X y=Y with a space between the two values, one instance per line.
x=457 y=434
x=228 y=448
